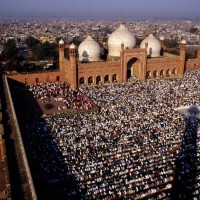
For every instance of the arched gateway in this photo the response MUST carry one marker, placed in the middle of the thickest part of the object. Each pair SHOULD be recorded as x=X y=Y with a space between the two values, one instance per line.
x=134 y=63
x=133 y=68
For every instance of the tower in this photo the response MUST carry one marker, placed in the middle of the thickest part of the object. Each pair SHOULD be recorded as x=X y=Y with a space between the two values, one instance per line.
x=162 y=45
x=182 y=58
x=198 y=52
x=122 y=76
x=72 y=67
x=61 y=55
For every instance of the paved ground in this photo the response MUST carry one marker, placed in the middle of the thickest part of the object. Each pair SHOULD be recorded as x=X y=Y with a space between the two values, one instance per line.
x=51 y=107
x=189 y=111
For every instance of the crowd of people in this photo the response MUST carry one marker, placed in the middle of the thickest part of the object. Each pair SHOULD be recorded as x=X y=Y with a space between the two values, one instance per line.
x=61 y=92
x=132 y=148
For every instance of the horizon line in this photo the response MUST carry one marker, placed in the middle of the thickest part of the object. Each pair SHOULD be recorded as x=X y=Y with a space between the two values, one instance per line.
x=101 y=17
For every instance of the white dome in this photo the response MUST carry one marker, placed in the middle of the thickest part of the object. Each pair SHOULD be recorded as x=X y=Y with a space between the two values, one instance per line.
x=72 y=46
x=61 y=41
x=154 y=46
x=89 y=50
x=118 y=37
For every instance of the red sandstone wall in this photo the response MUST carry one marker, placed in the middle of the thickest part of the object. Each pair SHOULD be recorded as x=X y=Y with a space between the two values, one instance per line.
x=192 y=64
x=42 y=77
x=98 y=69
x=165 y=64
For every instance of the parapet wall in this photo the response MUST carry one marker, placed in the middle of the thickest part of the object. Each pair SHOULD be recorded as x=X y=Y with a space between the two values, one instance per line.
x=19 y=141
x=6 y=177
x=98 y=64
x=40 y=77
x=192 y=64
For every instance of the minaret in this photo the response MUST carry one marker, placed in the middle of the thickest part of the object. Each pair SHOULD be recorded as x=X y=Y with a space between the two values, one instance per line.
x=162 y=45
x=61 y=55
x=182 y=58
x=72 y=67
x=198 y=52
x=122 y=77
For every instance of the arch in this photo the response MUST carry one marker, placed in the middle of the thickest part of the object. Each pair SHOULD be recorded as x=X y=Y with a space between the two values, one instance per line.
x=90 y=80
x=148 y=75
x=129 y=73
x=174 y=72
x=81 y=81
x=114 y=78
x=133 y=68
x=162 y=73
x=155 y=74
x=37 y=80
x=57 y=78
x=98 y=80
x=169 y=72
x=106 y=79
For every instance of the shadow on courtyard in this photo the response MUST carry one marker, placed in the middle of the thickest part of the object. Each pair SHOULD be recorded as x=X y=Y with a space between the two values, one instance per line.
x=183 y=187
x=51 y=176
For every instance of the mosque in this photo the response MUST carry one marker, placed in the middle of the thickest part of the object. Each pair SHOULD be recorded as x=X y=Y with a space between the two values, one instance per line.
x=84 y=65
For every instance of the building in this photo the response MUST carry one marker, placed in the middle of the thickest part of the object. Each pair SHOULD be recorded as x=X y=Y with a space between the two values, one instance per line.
x=193 y=38
x=84 y=65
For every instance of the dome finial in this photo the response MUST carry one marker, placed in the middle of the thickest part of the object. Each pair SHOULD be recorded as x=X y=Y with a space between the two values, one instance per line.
x=122 y=45
x=123 y=22
x=72 y=46
x=61 y=42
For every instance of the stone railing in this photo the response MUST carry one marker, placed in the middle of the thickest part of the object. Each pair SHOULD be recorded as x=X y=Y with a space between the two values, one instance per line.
x=21 y=145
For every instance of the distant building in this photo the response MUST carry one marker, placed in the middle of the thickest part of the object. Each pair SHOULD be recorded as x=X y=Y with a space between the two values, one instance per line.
x=193 y=38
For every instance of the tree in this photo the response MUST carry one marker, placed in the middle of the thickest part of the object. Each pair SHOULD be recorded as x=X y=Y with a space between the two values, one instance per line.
x=9 y=50
x=193 y=30
x=38 y=52
x=171 y=43
x=138 y=41
x=172 y=51
x=57 y=40
x=31 y=42
x=45 y=51
x=9 y=66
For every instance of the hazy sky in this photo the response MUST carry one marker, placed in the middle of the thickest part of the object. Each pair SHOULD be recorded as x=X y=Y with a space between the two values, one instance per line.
x=100 y=8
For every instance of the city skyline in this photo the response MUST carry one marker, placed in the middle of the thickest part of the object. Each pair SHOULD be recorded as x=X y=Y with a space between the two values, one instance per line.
x=100 y=9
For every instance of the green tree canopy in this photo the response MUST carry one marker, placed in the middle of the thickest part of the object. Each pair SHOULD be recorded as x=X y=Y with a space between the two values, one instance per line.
x=32 y=42
x=193 y=30
x=42 y=51
x=9 y=50
x=45 y=51
x=171 y=43
x=138 y=41
x=57 y=40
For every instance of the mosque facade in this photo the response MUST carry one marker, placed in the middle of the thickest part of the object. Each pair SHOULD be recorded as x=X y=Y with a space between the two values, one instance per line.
x=84 y=65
